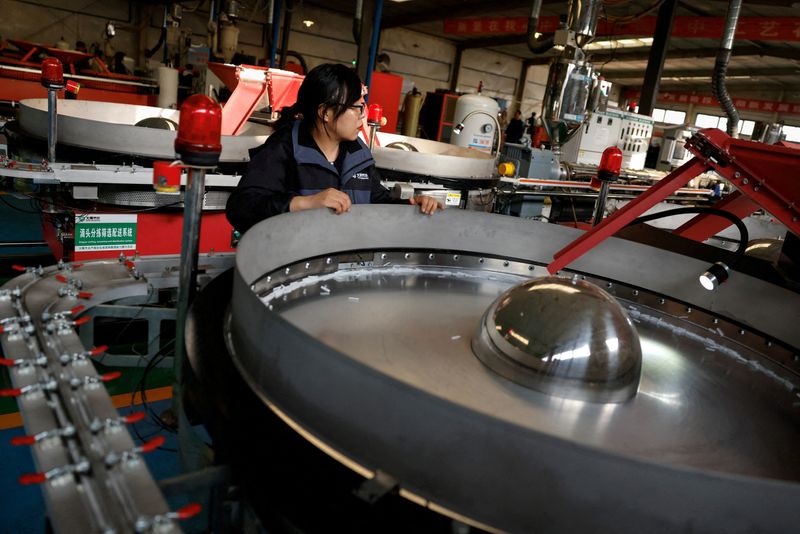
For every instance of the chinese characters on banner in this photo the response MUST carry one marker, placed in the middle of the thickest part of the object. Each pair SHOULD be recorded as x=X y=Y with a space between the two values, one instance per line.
x=749 y=28
x=742 y=104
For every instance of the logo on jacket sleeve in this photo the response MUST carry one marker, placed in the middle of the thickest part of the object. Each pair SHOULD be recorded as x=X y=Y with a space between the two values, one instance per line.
x=361 y=176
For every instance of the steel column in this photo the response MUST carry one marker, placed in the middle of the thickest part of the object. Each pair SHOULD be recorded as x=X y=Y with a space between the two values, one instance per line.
x=658 y=53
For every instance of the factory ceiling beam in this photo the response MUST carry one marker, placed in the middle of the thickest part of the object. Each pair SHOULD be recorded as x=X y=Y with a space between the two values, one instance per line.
x=658 y=54
x=633 y=74
x=464 y=9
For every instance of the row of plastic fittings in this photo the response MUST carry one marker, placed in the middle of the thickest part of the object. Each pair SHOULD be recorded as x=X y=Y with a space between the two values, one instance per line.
x=66 y=291
x=47 y=316
x=8 y=294
x=114 y=458
x=96 y=426
x=36 y=271
x=66 y=266
x=52 y=385
x=12 y=325
x=146 y=524
x=77 y=283
x=83 y=466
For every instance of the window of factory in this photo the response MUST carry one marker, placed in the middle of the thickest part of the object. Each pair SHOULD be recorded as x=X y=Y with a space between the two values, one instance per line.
x=668 y=116
x=674 y=117
x=714 y=121
x=707 y=121
x=792 y=133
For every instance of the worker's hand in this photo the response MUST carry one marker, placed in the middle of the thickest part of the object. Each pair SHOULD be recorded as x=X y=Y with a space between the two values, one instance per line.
x=330 y=198
x=427 y=205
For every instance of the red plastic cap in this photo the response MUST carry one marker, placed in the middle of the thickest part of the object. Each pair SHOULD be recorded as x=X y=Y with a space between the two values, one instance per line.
x=72 y=87
x=23 y=440
x=98 y=350
x=19 y=268
x=32 y=478
x=77 y=309
x=153 y=444
x=199 y=131
x=135 y=417
x=14 y=392
x=52 y=73
x=83 y=320
x=374 y=113
x=610 y=163
x=61 y=278
x=190 y=510
x=6 y=362
x=108 y=377
x=85 y=295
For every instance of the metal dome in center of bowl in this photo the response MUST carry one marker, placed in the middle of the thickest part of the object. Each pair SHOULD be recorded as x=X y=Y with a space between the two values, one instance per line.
x=564 y=337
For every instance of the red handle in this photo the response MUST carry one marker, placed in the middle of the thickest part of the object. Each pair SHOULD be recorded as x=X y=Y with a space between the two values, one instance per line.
x=190 y=510
x=82 y=320
x=85 y=295
x=23 y=440
x=32 y=478
x=76 y=266
x=108 y=377
x=98 y=350
x=19 y=268
x=61 y=278
x=134 y=417
x=153 y=444
x=15 y=392
x=129 y=264
x=2 y=329
x=77 y=309
x=7 y=362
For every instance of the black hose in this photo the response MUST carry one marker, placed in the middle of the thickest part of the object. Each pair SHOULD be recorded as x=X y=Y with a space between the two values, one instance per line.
x=744 y=235
x=720 y=90
x=149 y=53
x=543 y=43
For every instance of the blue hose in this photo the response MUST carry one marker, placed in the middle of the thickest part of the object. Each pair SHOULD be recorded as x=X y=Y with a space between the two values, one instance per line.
x=373 y=46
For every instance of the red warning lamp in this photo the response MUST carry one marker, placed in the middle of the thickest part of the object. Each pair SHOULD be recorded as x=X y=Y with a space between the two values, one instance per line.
x=610 y=164
x=52 y=73
x=199 y=132
x=374 y=114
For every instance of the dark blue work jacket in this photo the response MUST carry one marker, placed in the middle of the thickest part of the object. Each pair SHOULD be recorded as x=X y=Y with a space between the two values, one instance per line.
x=290 y=163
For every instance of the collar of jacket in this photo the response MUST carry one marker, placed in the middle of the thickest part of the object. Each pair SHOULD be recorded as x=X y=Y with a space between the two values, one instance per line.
x=357 y=155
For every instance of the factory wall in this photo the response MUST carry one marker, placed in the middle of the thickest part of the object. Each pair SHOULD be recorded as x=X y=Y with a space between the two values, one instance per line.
x=47 y=21
x=424 y=61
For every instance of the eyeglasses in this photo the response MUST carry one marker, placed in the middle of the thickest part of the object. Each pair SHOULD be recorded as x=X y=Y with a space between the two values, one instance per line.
x=360 y=108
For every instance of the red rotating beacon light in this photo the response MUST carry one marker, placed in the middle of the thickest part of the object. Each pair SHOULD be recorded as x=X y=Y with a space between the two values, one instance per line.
x=610 y=164
x=199 y=132
x=52 y=73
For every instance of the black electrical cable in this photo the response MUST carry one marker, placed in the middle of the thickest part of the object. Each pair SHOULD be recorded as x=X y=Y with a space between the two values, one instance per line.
x=744 y=235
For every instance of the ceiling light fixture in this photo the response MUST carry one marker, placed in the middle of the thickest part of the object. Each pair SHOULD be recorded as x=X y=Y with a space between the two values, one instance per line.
x=308 y=23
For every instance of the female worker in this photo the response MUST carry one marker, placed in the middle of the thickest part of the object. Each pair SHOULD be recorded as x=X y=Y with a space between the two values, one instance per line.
x=314 y=159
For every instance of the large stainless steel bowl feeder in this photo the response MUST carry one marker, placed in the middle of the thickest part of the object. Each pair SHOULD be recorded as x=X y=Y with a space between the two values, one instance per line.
x=665 y=408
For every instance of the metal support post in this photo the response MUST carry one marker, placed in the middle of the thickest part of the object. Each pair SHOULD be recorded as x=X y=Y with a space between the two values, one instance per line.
x=658 y=53
x=52 y=124
x=600 y=207
x=192 y=210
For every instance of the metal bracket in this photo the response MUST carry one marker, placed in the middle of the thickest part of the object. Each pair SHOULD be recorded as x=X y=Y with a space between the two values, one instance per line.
x=376 y=487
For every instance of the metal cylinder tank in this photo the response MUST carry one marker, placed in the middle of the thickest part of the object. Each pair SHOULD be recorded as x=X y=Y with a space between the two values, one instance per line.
x=479 y=115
